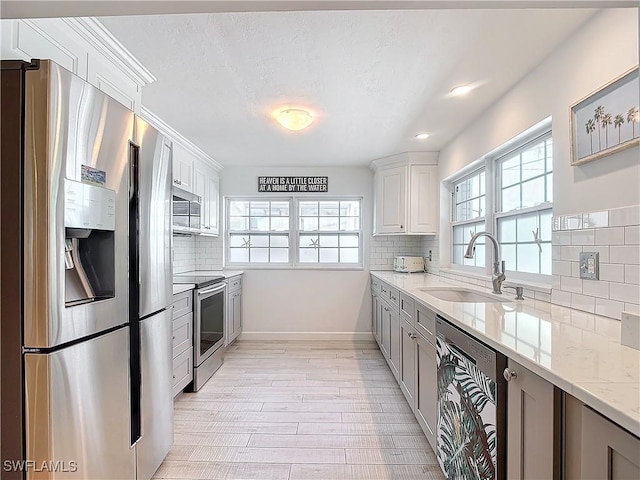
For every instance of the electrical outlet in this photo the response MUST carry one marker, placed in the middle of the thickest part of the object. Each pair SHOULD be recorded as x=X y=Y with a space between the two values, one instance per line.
x=589 y=265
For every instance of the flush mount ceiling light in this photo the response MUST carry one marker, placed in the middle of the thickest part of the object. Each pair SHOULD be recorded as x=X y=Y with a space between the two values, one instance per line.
x=294 y=118
x=422 y=136
x=461 y=90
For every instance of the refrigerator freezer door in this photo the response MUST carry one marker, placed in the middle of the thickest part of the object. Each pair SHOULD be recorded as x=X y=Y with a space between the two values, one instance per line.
x=157 y=395
x=154 y=160
x=77 y=410
x=73 y=132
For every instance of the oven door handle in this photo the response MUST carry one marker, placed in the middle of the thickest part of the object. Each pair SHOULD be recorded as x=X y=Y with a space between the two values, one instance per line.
x=213 y=290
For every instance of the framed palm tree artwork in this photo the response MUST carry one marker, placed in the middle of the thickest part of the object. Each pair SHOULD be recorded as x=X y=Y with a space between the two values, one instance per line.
x=606 y=121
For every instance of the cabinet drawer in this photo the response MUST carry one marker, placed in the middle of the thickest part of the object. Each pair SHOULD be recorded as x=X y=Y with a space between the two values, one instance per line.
x=182 y=371
x=235 y=283
x=375 y=285
x=407 y=307
x=425 y=323
x=182 y=334
x=182 y=303
x=394 y=297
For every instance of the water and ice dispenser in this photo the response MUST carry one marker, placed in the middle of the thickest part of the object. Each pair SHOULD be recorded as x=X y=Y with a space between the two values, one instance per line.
x=89 y=247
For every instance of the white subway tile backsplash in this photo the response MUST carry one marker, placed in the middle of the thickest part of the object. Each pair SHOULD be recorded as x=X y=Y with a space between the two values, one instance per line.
x=632 y=274
x=570 y=253
x=627 y=254
x=632 y=308
x=560 y=267
x=625 y=292
x=595 y=219
x=595 y=288
x=571 y=222
x=583 y=302
x=561 y=238
x=583 y=237
x=609 y=308
x=570 y=284
x=560 y=297
x=611 y=272
x=632 y=235
x=575 y=269
x=609 y=236
x=624 y=216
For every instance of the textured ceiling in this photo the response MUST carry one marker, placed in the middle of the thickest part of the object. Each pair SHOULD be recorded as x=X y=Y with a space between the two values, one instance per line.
x=373 y=79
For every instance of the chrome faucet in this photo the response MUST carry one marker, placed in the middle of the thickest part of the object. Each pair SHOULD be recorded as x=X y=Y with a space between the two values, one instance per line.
x=498 y=266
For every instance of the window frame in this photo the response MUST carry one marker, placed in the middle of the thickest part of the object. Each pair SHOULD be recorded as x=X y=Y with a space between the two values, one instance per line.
x=490 y=163
x=478 y=170
x=294 y=233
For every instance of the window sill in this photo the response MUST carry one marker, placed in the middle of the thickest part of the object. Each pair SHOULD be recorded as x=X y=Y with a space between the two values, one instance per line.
x=510 y=282
x=293 y=268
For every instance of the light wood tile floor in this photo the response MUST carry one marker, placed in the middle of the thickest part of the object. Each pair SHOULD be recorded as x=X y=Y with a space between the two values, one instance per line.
x=299 y=411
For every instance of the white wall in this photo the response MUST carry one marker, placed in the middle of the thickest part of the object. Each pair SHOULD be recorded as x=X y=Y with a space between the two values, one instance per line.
x=297 y=303
x=603 y=49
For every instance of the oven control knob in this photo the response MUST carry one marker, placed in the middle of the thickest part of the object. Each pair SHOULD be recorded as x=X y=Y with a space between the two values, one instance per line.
x=509 y=374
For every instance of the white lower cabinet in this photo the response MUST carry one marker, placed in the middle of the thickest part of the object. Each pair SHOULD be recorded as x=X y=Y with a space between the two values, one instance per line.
x=182 y=340
x=550 y=434
x=426 y=396
x=233 y=324
x=533 y=446
x=408 y=357
x=595 y=447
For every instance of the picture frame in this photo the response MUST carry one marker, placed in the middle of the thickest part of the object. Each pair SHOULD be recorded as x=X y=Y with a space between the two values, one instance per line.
x=606 y=121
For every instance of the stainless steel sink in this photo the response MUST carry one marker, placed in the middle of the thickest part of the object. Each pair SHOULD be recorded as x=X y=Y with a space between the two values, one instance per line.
x=461 y=295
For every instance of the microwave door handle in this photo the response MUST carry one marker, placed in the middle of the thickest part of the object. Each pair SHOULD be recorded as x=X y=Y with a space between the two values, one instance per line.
x=212 y=290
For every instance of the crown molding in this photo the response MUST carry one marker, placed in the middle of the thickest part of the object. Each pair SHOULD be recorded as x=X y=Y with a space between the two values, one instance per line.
x=98 y=36
x=176 y=136
x=406 y=158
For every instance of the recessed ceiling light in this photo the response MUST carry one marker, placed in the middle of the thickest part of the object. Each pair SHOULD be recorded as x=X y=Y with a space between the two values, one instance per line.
x=294 y=118
x=422 y=136
x=461 y=90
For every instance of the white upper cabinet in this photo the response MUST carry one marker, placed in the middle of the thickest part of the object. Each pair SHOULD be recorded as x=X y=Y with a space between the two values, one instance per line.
x=206 y=187
x=184 y=170
x=406 y=194
x=82 y=46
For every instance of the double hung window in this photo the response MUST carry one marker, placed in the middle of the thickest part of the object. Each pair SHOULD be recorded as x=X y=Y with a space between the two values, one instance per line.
x=519 y=212
x=296 y=232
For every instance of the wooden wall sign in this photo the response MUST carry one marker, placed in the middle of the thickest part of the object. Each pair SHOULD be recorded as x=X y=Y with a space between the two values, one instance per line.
x=293 y=184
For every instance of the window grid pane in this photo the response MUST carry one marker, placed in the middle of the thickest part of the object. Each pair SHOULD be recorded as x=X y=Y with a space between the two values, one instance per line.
x=526 y=177
x=259 y=231
x=461 y=236
x=525 y=241
x=329 y=231
x=469 y=197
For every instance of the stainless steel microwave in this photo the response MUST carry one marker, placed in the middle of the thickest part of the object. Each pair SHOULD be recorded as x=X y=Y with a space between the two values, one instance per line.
x=186 y=211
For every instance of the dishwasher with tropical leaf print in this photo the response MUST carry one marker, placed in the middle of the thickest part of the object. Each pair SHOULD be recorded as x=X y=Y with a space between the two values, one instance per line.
x=471 y=427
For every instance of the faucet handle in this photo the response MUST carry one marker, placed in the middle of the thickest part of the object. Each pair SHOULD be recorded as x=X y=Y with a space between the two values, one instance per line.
x=519 y=291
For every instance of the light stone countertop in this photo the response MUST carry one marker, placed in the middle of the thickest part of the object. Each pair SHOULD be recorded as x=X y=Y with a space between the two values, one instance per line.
x=182 y=287
x=577 y=351
x=208 y=273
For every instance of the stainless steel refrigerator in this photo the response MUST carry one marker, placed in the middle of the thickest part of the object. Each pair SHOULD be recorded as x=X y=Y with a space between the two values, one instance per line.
x=86 y=362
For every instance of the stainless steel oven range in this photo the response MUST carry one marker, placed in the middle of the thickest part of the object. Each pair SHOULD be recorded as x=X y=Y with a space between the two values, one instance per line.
x=209 y=301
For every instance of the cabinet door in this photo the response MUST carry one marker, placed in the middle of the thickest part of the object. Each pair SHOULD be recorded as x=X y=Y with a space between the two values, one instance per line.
x=228 y=322
x=426 y=389
x=200 y=186
x=385 y=329
x=114 y=82
x=423 y=199
x=212 y=204
x=237 y=313
x=374 y=316
x=391 y=200
x=408 y=351
x=607 y=451
x=532 y=450
x=394 y=342
x=183 y=166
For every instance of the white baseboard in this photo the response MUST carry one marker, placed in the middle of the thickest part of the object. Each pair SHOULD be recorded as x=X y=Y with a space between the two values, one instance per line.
x=308 y=336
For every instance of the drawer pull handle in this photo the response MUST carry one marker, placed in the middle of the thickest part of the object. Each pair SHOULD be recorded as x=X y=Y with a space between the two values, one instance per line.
x=509 y=374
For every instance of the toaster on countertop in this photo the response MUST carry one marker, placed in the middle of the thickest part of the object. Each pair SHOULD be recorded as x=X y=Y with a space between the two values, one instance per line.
x=406 y=264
